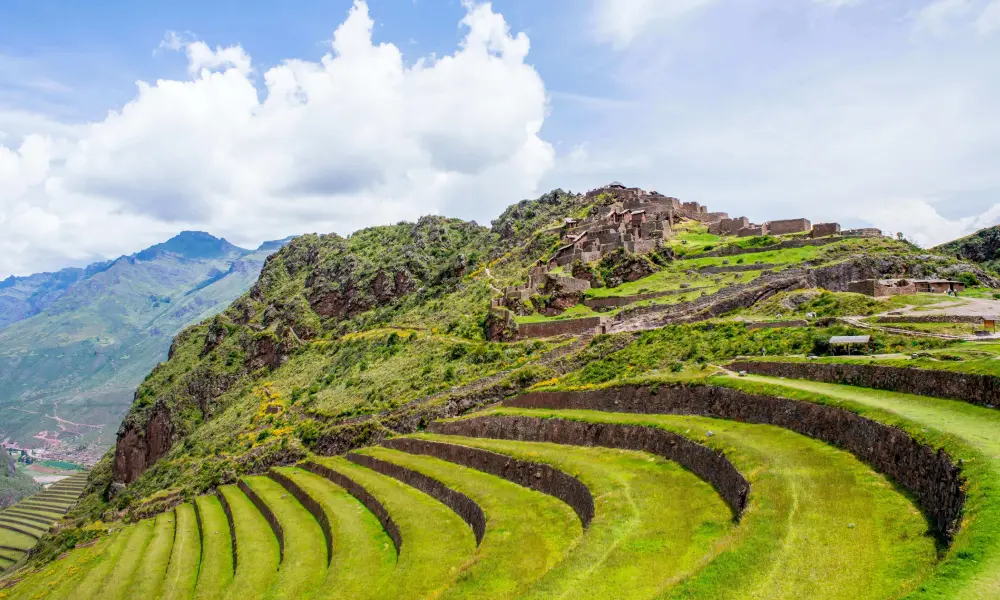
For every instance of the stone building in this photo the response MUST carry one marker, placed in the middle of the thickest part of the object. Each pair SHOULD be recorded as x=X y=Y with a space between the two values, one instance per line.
x=825 y=229
x=787 y=226
x=880 y=288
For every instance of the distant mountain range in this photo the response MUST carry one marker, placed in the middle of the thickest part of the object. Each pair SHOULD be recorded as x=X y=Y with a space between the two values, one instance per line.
x=75 y=343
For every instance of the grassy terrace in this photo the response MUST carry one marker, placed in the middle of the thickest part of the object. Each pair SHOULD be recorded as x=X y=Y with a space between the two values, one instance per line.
x=149 y=580
x=118 y=584
x=257 y=566
x=304 y=566
x=981 y=358
x=437 y=543
x=641 y=538
x=819 y=523
x=216 y=570
x=527 y=532
x=185 y=556
x=971 y=568
x=36 y=515
x=370 y=563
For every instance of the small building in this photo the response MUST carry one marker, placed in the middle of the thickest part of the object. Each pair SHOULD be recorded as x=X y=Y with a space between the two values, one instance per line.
x=990 y=322
x=788 y=226
x=879 y=288
x=825 y=229
x=851 y=342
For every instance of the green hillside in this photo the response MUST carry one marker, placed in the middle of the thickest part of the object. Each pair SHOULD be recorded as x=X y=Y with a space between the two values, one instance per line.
x=68 y=373
x=982 y=247
x=444 y=410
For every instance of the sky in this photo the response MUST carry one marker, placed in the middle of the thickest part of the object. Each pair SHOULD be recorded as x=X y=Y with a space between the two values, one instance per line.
x=123 y=123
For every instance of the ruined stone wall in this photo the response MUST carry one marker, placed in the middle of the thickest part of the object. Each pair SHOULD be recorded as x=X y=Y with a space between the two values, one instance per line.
x=534 y=475
x=729 y=226
x=707 y=464
x=929 y=474
x=364 y=497
x=976 y=320
x=615 y=301
x=787 y=226
x=825 y=229
x=752 y=230
x=738 y=268
x=554 y=328
x=983 y=390
x=778 y=324
x=462 y=505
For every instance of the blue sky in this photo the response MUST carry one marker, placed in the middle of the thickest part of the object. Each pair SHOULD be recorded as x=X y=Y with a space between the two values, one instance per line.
x=245 y=119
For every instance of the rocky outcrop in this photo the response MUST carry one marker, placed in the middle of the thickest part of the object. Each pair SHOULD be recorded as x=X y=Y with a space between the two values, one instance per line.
x=622 y=266
x=500 y=326
x=141 y=445
x=928 y=473
x=983 y=390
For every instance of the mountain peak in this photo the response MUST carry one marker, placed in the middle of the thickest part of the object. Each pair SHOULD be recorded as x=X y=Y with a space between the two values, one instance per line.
x=192 y=244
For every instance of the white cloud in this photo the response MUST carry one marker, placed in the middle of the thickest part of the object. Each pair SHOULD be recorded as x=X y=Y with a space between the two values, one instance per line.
x=354 y=139
x=938 y=17
x=989 y=21
x=620 y=22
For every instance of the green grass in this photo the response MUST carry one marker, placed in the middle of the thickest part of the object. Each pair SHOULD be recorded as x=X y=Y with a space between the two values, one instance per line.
x=52 y=580
x=527 y=532
x=578 y=311
x=185 y=556
x=819 y=523
x=258 y=555
x=216 y=571
x=363 y=555
x=642 y=537
x=437 y=543
x=118 y=585
x=150 y=579
x=980 y=358
x=92 y=581
x=971 y=568
x=304 y=566
x=24 y=525
x=13 y=539
x=960 y=329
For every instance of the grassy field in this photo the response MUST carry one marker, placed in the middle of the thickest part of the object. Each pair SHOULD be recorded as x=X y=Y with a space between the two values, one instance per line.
x=981 y=358
x=257 y=567
x=819 y=523
x=641 y=538
x=185 y=556
x=971 y=568
x=437 y=543
x=151 y=576
x=216 y=566
x=527 y=532
x=303 y=568
x=363 y=555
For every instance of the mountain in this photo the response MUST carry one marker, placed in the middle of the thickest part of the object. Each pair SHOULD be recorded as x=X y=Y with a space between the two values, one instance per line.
x=77 y=342
x=13 y=485
x=982 y=247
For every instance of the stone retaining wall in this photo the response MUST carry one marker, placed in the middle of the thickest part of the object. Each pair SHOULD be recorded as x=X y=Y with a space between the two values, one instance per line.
x=974 y=319
x=269 y=516
x=737 y=268
x=554 y=328
x=736 y=250
x=311 y=505
x=232 y=525
x=21 y=531
x=777 y=324
x=616 y=301
x=983 y=390
x=364 y=497
x=929 y=474
x=458 y=502
x=537 y=476
x=709 y=465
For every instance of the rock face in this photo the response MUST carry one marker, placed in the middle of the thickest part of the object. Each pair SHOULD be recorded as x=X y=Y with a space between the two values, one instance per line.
x=622 y=267
x=139 y=447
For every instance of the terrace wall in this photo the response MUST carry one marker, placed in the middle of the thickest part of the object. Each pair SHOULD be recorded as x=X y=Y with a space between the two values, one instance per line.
x=929 y=474
x=537 y=476
x=978 y=320
x=736 y=250
x=710 y=465
x=778 y=324
x=554 y=328
x=983 y=390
